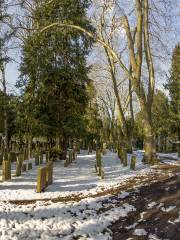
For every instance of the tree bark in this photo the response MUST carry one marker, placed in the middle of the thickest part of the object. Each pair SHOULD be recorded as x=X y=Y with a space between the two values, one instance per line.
x=5 y=107
x=149 y=140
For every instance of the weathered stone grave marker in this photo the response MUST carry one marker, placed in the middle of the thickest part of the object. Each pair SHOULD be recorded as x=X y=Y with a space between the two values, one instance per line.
x=19 y=165
x=49 y=173
x=41 y=180
x=133 y=162
x=6 y=170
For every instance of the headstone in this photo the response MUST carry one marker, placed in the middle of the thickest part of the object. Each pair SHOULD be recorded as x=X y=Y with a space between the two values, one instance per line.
x=124 y=157
x=49 y=173
x=12 y=157
x=89 y=149
x=24 y=168
x=102 y=174
x=133 y=162
x=41 y=158
x=29 y=166
x=47 y=156
x=41 y=180
x=19 y=165
x=6 y=170
x=104 y=149
x=120 y=154
x=70 y=156
x=74 y=154
x=36 y=159
x=25 y=154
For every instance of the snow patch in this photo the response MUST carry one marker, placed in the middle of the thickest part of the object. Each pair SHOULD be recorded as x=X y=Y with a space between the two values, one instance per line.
x=48 y=220
x=168 y=209
x=153 y=237
x=140 y=232
x=151 y=205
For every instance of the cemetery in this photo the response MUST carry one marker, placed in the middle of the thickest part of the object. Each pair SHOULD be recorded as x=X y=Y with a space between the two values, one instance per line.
x=89 y=120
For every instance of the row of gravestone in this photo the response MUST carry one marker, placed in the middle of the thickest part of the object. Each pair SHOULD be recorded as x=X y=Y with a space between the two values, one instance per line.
x=72 y=155
x=44 y=176
x=21 y=166
x=122 y=154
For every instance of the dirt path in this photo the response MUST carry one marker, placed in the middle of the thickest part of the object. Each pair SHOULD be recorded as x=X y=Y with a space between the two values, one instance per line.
x=157 y=211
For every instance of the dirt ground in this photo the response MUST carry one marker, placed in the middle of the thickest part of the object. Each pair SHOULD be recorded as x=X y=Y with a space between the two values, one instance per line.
x=161 y=219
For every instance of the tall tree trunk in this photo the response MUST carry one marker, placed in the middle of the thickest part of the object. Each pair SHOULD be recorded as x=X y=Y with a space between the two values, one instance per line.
x=5 y=107
x=132 y=114
x=149 y=140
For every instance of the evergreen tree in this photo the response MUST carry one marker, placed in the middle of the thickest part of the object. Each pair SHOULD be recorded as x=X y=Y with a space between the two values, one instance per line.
x=54 y=72
x=173 y=86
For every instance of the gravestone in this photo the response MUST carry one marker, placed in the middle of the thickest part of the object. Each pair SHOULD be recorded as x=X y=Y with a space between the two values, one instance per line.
x=29 y=166
x=19 y=165
x=133 y=162
x=6 y=170
x=49 y=173
x=24 y=167
x=41 y=180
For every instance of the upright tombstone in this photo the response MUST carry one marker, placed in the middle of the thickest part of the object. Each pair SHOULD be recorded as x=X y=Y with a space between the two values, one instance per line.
x=47 y=156
x=19 y=165
x=36 y=159
x=49 y=173
x=102 y=174
x=6 y=170
x=24 y=154
x=41 y=158
x=89 y=149
x=12 y=157
x=98 y=165
x=13 y=146
x=41 y=180
x=133 y=162
x=24 y=167
x=104 y=149
x=29 y=166
x=124 y=157
x=70 y=156
x=74 y=154
x=120 y=155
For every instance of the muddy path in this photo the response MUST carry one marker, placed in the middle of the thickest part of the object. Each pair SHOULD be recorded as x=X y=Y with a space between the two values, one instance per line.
x=157 y=212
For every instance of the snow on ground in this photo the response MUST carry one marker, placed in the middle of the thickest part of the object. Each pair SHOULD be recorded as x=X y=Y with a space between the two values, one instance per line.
x=78 y=178
x=72 y=220
x=140 y=232
x=151 y=205
x=85 y=219
x=173 y=156
x=177 y=220
x=168 y=209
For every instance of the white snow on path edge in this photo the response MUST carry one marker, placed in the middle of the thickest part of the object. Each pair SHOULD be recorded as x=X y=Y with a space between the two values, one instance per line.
x=78 y=178
x=47 y=220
